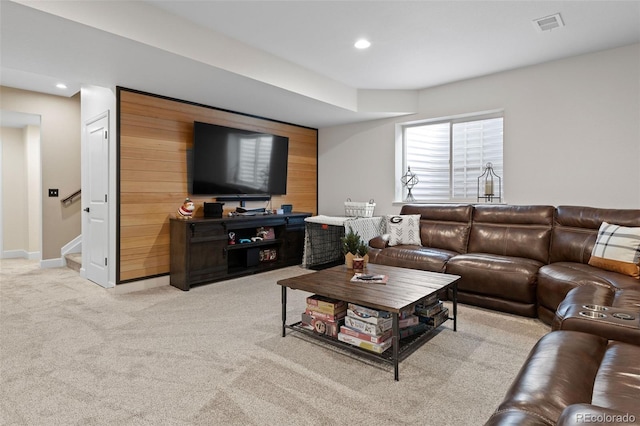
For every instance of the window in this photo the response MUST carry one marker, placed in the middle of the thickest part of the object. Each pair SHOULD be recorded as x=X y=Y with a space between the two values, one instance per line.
x=447 y=156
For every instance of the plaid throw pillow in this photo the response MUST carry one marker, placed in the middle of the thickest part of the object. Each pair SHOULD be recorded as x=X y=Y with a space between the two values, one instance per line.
x=403 y=229
x=617 y=249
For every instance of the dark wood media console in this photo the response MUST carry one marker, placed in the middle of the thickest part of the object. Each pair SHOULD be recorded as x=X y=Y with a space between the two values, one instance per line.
x=201 y=253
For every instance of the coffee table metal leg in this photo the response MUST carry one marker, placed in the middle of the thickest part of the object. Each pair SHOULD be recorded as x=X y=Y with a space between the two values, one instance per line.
x=284 y=309
x=396 y=345
x=455 y=306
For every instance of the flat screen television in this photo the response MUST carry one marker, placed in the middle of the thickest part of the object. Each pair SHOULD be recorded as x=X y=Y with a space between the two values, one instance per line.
x=228 y=161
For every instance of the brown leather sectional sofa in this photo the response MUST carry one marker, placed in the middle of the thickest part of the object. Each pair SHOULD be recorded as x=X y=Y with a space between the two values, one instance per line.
x=573 y=378
x=518 y=259
x=574 y=234
x=534 y=261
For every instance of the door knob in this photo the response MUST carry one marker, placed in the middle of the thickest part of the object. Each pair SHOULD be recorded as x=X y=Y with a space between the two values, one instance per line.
x=86 y=209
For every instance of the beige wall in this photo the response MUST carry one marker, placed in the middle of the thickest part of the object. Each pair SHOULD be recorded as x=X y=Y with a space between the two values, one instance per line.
x=60 y=153
x=571 y=135
x=15 y=231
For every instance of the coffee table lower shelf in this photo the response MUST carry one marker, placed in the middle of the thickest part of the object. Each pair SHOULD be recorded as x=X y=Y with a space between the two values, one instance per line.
x=404 y=289
x=406 y=346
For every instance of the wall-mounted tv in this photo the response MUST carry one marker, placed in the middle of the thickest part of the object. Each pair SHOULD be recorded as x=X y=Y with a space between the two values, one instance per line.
x=228 y=161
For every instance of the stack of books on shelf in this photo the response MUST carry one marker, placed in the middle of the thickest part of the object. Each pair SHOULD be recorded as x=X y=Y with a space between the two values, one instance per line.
x=324 y=315
x=371 y=329
x=432 y=313
x=368 y=328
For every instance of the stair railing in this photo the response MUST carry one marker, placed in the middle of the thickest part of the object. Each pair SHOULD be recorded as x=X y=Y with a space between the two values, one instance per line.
x=71 y=198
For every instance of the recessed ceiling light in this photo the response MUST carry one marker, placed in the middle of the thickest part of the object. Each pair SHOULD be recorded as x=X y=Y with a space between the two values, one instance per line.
x=362 y=44
x=61 y=86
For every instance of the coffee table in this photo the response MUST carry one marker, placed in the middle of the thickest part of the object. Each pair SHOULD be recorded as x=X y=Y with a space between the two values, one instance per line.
x=404 y=289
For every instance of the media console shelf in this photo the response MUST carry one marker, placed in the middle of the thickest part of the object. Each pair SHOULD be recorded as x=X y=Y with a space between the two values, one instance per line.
x=201 y=253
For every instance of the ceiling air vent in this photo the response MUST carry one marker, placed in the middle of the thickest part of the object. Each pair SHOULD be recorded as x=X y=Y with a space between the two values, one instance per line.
x=548 y=23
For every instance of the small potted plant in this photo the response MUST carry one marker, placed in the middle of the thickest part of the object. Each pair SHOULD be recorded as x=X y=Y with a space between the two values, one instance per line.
x=351 y=242
x=363 y=250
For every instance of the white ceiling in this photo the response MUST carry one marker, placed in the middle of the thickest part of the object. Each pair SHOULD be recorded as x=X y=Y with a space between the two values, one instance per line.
x=415 y=44
x=294 y=61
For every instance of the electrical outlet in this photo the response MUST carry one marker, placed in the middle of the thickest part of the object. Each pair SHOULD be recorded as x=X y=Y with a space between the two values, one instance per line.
x=53 y=192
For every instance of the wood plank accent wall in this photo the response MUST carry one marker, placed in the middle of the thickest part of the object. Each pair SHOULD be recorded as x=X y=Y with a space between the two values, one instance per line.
x=154 y=136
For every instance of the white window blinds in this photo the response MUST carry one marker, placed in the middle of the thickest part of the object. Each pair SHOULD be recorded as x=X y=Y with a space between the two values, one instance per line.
x=449 y=156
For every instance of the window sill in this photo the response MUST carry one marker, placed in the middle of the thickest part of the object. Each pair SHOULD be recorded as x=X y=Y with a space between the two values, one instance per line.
x=402 y=203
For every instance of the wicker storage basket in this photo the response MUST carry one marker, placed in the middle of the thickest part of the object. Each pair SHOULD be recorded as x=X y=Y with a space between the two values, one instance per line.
x=359 y=209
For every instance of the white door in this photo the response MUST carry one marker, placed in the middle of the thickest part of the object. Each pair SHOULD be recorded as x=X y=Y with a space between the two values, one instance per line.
x=95 y=235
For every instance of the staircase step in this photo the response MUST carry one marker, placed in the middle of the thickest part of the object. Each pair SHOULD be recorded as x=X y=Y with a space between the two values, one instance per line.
x=74 y=261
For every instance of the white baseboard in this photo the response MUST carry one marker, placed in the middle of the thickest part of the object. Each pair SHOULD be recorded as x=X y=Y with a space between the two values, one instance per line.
x=21 y=254
x=53 y=263
x=34 y=255
x=14 y=254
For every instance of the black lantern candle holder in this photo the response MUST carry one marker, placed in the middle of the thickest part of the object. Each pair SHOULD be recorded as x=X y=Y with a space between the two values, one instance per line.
x=490 y=184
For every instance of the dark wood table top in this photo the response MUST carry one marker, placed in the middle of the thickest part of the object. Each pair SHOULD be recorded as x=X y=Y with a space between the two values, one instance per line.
x=404 y=288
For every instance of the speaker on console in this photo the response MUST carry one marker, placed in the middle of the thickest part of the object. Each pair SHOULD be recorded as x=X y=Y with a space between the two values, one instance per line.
x=213 y=210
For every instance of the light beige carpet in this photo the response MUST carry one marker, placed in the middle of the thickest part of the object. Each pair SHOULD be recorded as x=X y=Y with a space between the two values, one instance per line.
x=73 y=353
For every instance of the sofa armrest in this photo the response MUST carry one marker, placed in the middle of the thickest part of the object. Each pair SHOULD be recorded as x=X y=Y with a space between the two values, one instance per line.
x=580 y=414
x=379 y=242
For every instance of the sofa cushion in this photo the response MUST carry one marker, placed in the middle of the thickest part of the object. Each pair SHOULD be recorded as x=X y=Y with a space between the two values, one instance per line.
x=403 y=229
x=443 y=226
x=516 y=231
x=617 y=384
x=510 y=278
x=617 y=248
x=576 y=228
x=411 y=256
x=557 y=279
x=560 y=371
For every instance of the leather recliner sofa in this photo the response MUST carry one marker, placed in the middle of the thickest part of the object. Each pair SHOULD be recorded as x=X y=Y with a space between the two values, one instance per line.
x=574 y=234
x=506 y=248
x=444 y=233
x=517 y=259
x=573 y=378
